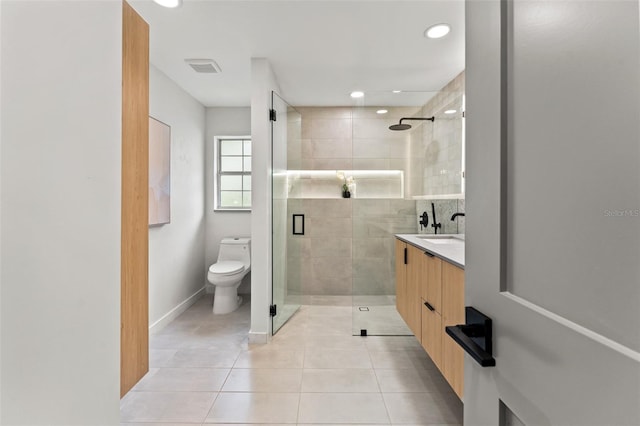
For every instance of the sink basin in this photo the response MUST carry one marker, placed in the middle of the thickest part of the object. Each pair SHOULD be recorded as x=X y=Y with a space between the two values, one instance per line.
x=441 y=239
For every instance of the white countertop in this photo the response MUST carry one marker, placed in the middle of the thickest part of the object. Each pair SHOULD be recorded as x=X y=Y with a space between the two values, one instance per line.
x=452 y=253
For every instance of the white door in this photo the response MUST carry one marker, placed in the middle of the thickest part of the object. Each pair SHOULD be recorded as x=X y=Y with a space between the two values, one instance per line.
x=553 y=199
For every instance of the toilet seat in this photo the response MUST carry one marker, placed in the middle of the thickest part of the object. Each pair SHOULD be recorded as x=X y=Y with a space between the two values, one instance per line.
x=226 y=267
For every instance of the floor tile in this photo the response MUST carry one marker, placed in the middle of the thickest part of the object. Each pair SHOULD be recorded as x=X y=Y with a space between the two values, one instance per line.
x=423 y=408
x=407 y=359
x=184 y=379
x=159 y=424
x=335 y=342
x=406 y=380
x=186 y=407
x=337 y=358
x=269 y=358
x=313 y=372
x=392 y=343
x=338 y=408
x=263 y=380
x=339 y=380
x=203 y=357
x=159 y=357
x=254 y=408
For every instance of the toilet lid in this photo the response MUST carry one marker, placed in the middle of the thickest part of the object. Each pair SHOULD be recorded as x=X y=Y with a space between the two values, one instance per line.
x=226 y=267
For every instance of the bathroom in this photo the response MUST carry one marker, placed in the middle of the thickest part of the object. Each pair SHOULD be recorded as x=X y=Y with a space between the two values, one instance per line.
x=343 y=262
x=551 y=250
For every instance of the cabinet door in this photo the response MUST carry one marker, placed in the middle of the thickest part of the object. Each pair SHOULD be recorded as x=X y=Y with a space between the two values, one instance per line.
x=401 y=274
x=452 y=314
x=431 y=289
x=432 y=335
x=414 y=282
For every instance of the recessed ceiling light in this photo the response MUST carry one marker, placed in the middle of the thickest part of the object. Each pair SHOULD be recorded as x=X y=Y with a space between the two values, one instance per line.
x=450 y=111
x=437 y=31
x=357 y=94
x=396 y=91
x=169 y=3
x=381 y=111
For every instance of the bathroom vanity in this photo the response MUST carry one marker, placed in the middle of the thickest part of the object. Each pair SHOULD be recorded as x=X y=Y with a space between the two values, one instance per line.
x=430 y=296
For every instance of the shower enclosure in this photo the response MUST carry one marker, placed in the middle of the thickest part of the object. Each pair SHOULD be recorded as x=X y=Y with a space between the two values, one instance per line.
x=332 y=250
x=285 y=131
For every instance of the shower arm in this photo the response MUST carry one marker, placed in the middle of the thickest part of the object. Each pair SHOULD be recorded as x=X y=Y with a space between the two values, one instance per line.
x=418 y=118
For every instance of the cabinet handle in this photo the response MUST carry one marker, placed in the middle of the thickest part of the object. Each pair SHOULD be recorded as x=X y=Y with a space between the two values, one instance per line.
x=405 y=255
x=429 y=254
x=431 y=308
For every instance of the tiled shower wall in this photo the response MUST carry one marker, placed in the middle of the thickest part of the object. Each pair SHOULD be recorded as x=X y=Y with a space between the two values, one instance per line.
x=348 y=246
x=444 y=210
x=443 y=141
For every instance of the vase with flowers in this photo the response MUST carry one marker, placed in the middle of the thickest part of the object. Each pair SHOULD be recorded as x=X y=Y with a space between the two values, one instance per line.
x=347 y=183
x=345 y=191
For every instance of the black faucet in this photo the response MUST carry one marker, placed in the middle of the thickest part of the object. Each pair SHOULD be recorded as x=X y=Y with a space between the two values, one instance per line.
x=435 y=223
x=424 y=221
x=456 y=215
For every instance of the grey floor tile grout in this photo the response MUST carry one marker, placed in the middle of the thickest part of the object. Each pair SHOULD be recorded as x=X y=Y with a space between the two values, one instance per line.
x=294 y=337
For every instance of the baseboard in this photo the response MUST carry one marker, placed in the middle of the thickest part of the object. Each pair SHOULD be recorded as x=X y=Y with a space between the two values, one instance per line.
x=258 y=338
x=175 y=312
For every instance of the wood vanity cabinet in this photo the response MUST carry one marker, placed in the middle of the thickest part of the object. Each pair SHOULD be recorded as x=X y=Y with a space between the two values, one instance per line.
x=429 y=297
x=401 y=274
x=408 y=276
x=452 y=314
x=431 y=301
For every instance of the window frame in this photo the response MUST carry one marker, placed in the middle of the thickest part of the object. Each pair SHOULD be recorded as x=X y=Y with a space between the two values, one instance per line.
x=217 y=141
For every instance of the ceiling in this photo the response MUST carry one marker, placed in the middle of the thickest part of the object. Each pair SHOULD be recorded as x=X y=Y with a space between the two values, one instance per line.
x=320 y=50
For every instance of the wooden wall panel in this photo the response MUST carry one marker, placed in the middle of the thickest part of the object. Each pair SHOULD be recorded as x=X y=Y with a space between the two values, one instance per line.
x=134 y=334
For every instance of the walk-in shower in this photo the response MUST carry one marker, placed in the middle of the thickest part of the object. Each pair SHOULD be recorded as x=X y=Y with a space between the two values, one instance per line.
x=337 y=250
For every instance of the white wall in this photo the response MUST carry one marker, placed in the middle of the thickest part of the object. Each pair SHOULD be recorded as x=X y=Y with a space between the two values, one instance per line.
x=60 y=197
x=176 y=262
x=0 y=223
x=233 y=121
x=263 y=81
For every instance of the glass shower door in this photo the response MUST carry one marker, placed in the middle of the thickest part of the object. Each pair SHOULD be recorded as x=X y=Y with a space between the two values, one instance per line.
x=286 y=128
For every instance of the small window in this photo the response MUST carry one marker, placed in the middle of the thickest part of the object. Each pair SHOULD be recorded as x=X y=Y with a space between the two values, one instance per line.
x=233 y=172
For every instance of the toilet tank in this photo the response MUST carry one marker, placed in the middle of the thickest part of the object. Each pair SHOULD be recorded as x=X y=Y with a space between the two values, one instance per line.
x=235 y=249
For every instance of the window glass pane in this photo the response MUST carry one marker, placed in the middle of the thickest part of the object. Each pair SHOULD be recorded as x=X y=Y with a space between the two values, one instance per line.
x=246 y=182
x=247 y=164
x=231 y=198
x=230 y=147
x=231 y=164
x=228 y=183
x=246 y=198
x=247 y=147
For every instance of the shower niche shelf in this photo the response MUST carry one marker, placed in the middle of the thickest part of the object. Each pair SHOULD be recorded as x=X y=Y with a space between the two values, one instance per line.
x=369 y=184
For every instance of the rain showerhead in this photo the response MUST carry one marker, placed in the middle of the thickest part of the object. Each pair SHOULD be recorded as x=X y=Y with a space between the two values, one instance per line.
x=401 y=126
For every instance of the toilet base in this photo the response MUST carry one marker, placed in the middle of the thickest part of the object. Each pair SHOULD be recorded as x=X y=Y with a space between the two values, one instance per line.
x=226 y=300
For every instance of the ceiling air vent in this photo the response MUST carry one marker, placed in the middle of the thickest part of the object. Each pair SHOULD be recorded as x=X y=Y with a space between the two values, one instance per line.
x=207 y=66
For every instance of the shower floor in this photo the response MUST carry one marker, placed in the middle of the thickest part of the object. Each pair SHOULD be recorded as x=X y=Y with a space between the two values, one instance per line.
x=376 y=314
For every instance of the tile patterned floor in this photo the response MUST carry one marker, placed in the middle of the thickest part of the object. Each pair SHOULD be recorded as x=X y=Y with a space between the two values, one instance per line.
x=203 y=371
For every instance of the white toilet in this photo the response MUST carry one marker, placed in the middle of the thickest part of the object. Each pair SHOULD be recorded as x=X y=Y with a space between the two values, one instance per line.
x=234 y=262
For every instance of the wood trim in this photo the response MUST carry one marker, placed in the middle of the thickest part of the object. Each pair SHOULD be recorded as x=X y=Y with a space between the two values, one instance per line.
x=134 y=334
